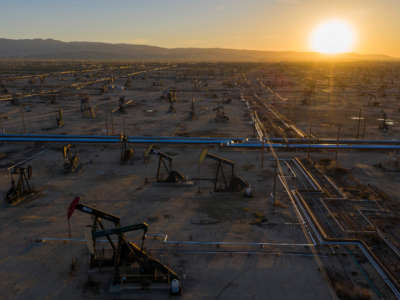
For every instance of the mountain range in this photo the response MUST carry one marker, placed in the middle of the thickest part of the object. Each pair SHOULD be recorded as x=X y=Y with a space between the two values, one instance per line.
x=54 y=49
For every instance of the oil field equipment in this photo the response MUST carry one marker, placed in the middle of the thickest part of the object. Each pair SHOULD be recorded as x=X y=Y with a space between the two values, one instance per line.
x=169 y=175
x=71 y=159
x=59 y=118
x=126 y=152
x=192 y=113
x=85 y=104
x=147 y=152
x=87 y=110
x=385 y=122
x=122 y=105
x=132 y=266
x=171 y=100
x=223 y=182
x=128 y=83
x=171 y=108
x=21 y=188
x=172 y=95
x=220 y=115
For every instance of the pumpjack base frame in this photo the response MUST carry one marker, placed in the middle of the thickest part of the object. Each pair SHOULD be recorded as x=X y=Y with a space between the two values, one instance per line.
x=188 y=183
x=101 y=268
x=131 y=280
x=33 y=195
x=137 y=288
x=78 y=170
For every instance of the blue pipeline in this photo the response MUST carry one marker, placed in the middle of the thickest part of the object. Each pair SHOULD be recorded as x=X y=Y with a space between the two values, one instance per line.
x=319 y=146
x=192 y=140
x=117 y=137
x=110 y=140
x=214 y=139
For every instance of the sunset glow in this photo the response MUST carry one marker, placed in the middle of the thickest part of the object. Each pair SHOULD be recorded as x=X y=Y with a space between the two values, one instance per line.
x=332 y=37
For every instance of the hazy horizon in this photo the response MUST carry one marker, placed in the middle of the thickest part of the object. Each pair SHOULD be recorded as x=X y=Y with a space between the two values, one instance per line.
x=204 y=48
x=274 y=25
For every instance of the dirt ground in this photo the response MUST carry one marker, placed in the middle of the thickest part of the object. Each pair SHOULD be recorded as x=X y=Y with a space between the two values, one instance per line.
x=35 y=261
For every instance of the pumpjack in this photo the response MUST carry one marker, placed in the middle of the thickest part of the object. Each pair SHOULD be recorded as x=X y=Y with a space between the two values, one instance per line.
x=192 y=113
x=85 y=106
x=384 y=126
x=147 y=152
x=131 y=264
x=59 y=118
x=220 y=115
x=223 y=183
x=21 y=189
x=71 y=159
x=86 y=109
x=172 y=100
x=126 y=152
x=122 y=105
x=169 y=175
x=172 y=95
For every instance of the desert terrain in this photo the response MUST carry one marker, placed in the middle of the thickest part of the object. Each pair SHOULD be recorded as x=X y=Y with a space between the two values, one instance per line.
x=318 y=217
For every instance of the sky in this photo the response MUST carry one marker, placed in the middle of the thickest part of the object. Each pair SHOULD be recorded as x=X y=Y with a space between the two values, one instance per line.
x=238 y=24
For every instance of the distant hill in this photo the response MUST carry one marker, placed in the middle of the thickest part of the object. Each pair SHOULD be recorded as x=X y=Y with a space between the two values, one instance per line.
x=53 y=49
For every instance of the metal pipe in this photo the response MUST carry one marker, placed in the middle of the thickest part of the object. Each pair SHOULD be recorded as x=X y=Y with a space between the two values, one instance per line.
x=320 y=146
x=324 y=240
x=261 y=244
x=197 y=243
x=114 y=137
x=180 y=140
x=247 y=141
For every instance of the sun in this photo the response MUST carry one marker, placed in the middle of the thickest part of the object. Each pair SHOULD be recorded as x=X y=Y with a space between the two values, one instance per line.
x=332 y=37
